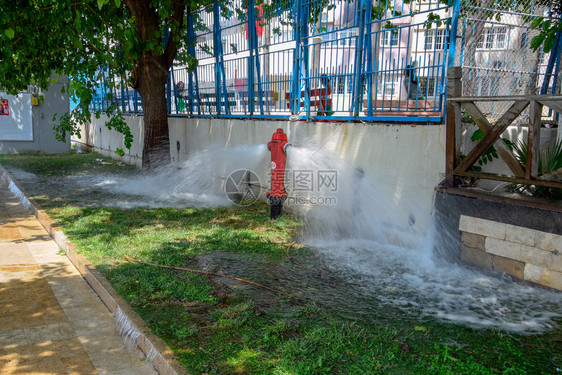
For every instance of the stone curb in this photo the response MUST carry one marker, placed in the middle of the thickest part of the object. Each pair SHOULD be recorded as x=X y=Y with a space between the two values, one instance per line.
x=131 y=327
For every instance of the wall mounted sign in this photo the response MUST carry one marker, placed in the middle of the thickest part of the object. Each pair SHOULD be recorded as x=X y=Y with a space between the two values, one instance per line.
x=4 y=107
x=15 y=117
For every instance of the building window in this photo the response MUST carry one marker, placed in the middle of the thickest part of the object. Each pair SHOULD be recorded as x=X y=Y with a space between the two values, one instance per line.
x=386 y=87
x=389 y=38
x=434 y=39
x=495 y=38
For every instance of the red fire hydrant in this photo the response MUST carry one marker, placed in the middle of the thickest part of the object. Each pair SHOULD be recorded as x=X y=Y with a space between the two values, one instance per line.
x=276 y=197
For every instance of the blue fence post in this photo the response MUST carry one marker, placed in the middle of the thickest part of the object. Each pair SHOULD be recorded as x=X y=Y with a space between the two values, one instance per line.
x=193 y=87
x=257 y=60
x=251 y=74
x=453 y=33
x=358 y=68
x=305 y=61
x=170 y=92
x=554 y=55
x=169 y=85
x=557 y=68
x=216 y=41
x=219 y=62
x=123 y=97
x=295 y=89
x=450 y=61
x=135 y=99
x=369 y=57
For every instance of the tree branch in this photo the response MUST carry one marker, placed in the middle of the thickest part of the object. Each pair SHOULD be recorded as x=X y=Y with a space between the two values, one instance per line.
x=178 y=8
x=205 y=273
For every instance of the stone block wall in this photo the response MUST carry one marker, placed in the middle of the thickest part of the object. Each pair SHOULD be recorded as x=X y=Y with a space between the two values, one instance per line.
x=526 y=253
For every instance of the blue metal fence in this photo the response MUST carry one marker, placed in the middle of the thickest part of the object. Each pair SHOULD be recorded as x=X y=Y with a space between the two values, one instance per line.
x=322 y=59
x=317 y=59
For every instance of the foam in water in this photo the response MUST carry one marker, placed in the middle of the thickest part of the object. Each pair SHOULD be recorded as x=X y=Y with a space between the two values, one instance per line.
x=198 y=182
x=363 y=235
x=360 y=234
x=127 y=330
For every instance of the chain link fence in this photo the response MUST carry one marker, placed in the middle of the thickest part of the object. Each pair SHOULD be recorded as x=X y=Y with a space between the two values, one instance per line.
x=496 y=55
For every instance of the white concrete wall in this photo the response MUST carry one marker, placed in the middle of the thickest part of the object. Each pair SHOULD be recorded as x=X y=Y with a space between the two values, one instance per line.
x=98 y=137
x=407 y=160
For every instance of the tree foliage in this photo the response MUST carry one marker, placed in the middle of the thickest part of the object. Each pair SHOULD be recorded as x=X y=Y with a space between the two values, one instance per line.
x=93 y=41
x=548 y=27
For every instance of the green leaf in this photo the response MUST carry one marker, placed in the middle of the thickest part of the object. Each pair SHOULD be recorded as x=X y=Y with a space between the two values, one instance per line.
x=548 y=43
x=536 y=22
x=537 y=41
x=477 y=135
x=54 y=81
x=10 y=33
x=100 y=4
x=117 y=3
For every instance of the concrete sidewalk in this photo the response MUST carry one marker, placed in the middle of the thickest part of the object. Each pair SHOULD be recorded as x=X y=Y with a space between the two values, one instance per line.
x=51 y=322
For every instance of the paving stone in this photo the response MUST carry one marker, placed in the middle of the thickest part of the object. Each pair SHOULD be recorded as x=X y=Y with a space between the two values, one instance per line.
x=13 y=338
x=476 y=257
x=93 y=325
x=552 y=279
x=549 y=241
x=90 y=308
x=482 y=227
x=533 y=273
x=556 y=264
x=521 y=235
x=475 y=241
x=45 y=304
x=9 y=232
x=15 y=253
x=536 y=256
x=49 y=332
x=503 y=248
x=509 y=266
x=108 y=362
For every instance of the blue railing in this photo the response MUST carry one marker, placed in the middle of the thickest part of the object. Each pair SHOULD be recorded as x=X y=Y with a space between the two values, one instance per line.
x=328 y=59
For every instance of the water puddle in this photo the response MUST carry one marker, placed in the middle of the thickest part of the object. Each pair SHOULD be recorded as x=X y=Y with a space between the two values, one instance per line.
x=371 y=259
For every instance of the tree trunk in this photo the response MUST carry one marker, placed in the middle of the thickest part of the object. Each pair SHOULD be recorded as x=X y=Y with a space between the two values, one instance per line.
x=151 y=75
x=151 y=85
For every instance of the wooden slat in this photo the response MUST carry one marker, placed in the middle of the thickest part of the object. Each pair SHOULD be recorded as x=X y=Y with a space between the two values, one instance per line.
x=514 y=180
x=453 y=124
x=470 y=99
x=503 y=150
x=450 y=145
x=502 y=124
x=533 y=142
x=554 y=104
x=522 y=201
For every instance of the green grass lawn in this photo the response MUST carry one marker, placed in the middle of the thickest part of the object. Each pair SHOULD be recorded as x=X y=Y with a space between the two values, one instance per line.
x=214 y=330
